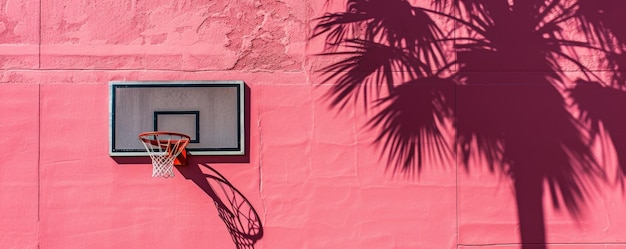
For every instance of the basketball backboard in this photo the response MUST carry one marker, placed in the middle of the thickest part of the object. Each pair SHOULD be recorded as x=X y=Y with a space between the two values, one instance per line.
x=210 y=112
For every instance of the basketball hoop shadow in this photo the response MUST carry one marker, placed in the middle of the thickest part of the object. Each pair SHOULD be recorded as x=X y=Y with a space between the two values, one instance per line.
x=241 y=219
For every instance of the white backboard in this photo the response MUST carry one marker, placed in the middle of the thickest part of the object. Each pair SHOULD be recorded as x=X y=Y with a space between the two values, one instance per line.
x=210 y=112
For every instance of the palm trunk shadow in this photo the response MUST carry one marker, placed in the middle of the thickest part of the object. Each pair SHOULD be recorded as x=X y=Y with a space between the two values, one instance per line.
x=530 y=216
x=527 y=132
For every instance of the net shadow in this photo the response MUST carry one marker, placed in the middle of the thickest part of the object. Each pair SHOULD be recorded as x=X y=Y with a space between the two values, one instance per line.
x=241 y=219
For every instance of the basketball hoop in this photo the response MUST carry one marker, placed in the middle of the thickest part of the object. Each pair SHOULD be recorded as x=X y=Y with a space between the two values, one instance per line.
x=165 y=149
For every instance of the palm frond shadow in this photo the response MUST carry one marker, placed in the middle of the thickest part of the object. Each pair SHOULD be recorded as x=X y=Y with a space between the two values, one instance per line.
x=241 y=219
x=506 y=89
x=597 y=103
x=411 y=123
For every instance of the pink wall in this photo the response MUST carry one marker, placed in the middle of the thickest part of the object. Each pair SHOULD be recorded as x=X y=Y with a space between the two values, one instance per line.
x=314 y=175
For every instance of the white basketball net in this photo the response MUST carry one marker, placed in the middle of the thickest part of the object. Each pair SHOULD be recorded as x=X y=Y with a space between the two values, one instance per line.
x=163 y=150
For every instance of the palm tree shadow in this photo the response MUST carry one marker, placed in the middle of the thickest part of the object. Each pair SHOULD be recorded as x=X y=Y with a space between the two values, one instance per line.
x=509 y=99
x=234 y=209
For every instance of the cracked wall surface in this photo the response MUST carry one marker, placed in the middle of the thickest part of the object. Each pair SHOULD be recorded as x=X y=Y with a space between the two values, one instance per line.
x=314 y=174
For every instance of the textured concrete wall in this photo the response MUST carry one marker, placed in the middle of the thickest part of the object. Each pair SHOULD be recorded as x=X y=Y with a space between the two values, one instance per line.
x=314 y=174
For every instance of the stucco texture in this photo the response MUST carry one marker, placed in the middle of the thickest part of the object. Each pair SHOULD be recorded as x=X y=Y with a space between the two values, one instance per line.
x=318 y=175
